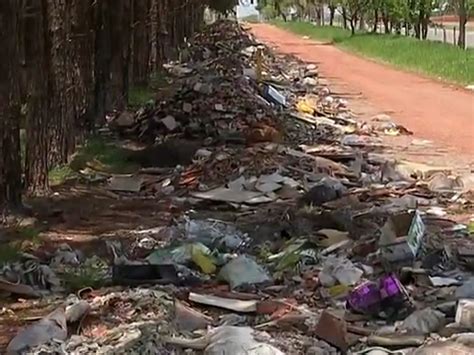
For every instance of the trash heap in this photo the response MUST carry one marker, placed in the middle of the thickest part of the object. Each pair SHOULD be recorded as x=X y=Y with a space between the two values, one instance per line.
x=300 y=238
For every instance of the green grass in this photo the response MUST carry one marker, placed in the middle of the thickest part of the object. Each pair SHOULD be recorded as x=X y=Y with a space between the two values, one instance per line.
x=102 y=155
x=9 y=253
x=142 y=95
x=139 y=96
x=59 y=175
x=98 y=153
x=82 y=278
x=29 y=233
x=93 y=272
x=321 y=33
x=434 y=59
x=251 y=19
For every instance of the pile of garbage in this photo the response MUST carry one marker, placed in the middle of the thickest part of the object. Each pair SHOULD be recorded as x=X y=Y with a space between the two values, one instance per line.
x=316 y=244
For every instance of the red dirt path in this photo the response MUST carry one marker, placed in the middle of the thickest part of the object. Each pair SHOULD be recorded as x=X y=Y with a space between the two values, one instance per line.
x=432 y=110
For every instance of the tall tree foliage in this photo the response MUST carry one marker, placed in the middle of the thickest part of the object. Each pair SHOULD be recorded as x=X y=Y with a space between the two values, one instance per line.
x=395 y=15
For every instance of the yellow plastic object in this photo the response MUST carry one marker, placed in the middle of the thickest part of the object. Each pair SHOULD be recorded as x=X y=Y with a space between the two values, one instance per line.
x=303 y=106
x=202 y=260
x=392 y=131
x=350 y=129
x=338 y=291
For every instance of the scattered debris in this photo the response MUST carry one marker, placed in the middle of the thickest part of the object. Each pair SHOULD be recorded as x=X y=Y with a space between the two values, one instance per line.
x=333 y=330
x=228 y=340
x=125 y=183
x=465 y=314
x=274 y=188
x=53 y=326
x=342 y=271
x=18 y=289
x=189 y=319
x=424 y=321
x=242 y=306
x=243 y=271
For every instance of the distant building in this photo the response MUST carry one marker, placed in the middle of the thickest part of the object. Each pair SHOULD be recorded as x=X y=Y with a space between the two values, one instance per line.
x=247 y=8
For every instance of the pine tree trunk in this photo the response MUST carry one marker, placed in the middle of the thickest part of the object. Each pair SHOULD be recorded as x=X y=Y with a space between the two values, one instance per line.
x=101 y=58
x=118 y=18
x=82 y=37
x=10 y=166
x=63 y=72
x=154 y=30
x=37 y=67
x=140 y=45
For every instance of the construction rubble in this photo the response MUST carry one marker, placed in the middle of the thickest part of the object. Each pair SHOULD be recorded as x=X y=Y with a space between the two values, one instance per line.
x=298 y=237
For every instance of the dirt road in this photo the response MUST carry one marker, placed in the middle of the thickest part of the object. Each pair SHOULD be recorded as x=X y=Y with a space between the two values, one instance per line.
x=432 y=110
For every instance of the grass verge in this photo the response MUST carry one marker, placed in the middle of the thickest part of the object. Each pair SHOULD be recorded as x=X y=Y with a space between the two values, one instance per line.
x=434 y=59
x=100 y=155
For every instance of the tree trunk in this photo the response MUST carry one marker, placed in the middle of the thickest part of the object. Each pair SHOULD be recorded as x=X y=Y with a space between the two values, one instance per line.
x=332 y=12
x=154 y=31
x=353 y=23
x=82 y=48
x=118 y=18
x=140 y=46
x=419 y=23
x=63 y=73
x=386 y=23
x=37 y=64
x=417 y=27
x=362 y=23
x=321 y=10
x=112 y=55
x=165 y=30
x=278 y=11
x=319 y=16
x=344 y=17
x=462 y=13
x=398 y=28
x=101 y=58
x=10 y=161
x=424 y=26
x=376 y=20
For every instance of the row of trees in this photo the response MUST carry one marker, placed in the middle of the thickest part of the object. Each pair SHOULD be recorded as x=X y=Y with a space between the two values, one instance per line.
x=65 y=63
x=399 y=16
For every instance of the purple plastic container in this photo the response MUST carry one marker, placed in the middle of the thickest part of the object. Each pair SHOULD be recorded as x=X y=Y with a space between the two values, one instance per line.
x=365 y=298
x=370 y=297
x=390 y=287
